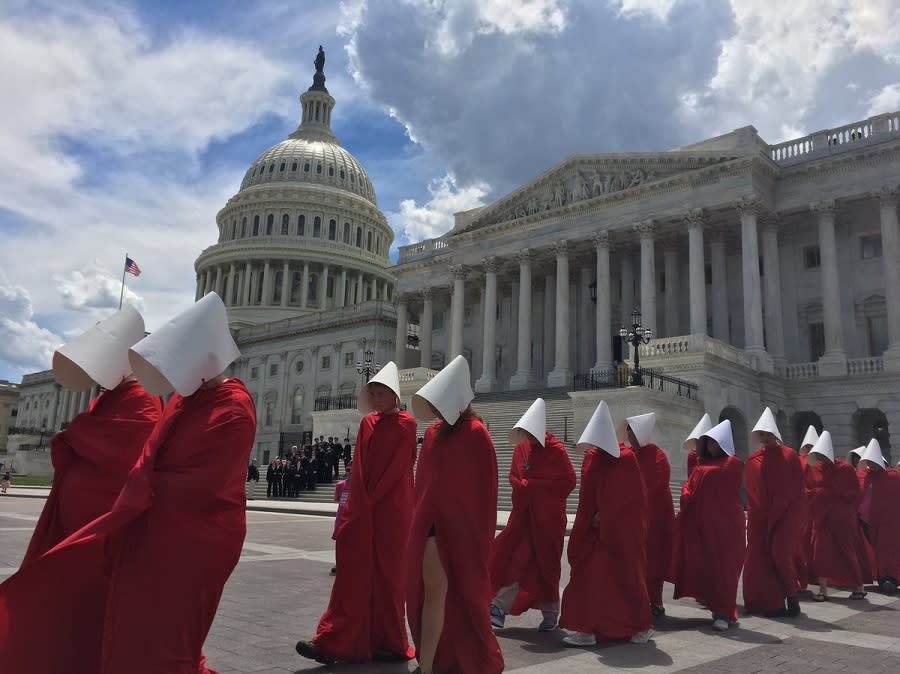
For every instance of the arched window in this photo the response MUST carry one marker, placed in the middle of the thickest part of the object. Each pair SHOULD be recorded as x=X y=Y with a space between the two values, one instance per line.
x=369 y=241
x=233 y=232
x=306 y=167
x=276 y=290
x=294 y=166
x=270 y=224
x=259 y=287
x=272 y=167
x=243 y=228
x=312 y=292
x=297 y=406
x=281 y=168
x=343 y=175
x=329 y=287
x=301 y=225
x=346 y=232
x=296 y=287
x=285 y=224
x=331 y=171
x=332 y=230
x=378 y=244
x=359 y=237
x=317 y=227
x=255 y=225
x=318 y=168
x=235 y=287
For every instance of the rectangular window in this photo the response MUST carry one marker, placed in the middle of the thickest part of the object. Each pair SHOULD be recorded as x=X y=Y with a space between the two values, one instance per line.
x=348 y=359
x=273 y=370
x=811 y=257
x=270 y=412
x=816 y=340
x=254 y=373
x=437 y=320
x=661 y=282
x=876 y=334
x=326 y=362
x=707 y=274
x=870 y=246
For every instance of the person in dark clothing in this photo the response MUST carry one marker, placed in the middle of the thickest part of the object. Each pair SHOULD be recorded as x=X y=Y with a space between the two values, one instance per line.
x=279 y=474
x=348 y=455
x=252 y=472
x=288 y=479
x=270 y=479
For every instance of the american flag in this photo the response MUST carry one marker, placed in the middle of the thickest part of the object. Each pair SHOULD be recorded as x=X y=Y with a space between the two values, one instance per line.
x=132 y=267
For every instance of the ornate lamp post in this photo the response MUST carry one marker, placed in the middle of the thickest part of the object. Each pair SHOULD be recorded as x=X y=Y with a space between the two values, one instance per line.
x=43 y=432
x=636 y=336
x=368 y=366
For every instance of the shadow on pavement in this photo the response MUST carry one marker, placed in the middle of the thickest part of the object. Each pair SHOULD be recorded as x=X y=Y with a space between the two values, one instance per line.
x=633 y=657
x=533 y=641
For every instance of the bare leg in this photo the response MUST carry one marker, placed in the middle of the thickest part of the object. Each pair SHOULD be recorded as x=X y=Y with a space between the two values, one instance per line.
x=823 y=587
x=434 y=580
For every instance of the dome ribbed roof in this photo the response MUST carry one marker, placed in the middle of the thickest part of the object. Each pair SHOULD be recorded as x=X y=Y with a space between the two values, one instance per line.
x=312 y=162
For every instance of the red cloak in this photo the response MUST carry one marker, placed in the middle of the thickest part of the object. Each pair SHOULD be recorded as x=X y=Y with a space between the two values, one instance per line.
x=776 y=521
x=91 y=459
x=366 y=609
x=456 y=493
x=655 y=469
x=529 y=550
x=710 y=536
x=607 y=593
x=692 y=461
x=832 y=493
x=884 y=524
x=160 y=557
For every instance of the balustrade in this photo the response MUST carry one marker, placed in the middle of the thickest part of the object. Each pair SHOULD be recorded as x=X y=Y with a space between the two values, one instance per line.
x=829 y=141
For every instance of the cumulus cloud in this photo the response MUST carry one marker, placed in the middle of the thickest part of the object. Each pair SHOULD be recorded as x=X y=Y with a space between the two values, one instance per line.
x=435 y=216
x=24 y=345
x=886 y=100
x=94 y=290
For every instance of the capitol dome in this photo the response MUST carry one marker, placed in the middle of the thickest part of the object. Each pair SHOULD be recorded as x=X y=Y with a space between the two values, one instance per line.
x=303 y=234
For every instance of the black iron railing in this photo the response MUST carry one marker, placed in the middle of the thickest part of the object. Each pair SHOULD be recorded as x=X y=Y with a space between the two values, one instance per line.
x=342 y=402
x=620 y=377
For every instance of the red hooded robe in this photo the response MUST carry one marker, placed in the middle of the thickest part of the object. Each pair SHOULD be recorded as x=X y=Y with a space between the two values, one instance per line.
x=884 y=524
x=161 y=556
x=656 y=471
x=366 y=609
x=710 y=536
x=529 y=550
x=776 y=521
x=832 y=493
x=607 y=593
x=456 y=493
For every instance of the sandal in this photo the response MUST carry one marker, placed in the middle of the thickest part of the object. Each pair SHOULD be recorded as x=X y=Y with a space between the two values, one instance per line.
x=858 y=595
x=821 y=596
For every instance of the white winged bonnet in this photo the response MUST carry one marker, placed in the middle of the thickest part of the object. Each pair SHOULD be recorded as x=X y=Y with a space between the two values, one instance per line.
x=873 y=454
x=722 y=434
x=641 y=425
x=388 y=376
x=822 y=447
x=767 y=424
x=810 y=438
x=449 y=392
x=690 y=442
x=533 y=422
x=600 y=432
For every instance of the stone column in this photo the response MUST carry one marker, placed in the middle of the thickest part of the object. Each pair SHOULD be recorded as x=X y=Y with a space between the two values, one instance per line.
x=323 y=289
x=248 y=274
x=304 y=290
x=374 y=294
x=834 y=361
x=456 y=311
x=255 y=280
x=696 y=271
x=360 y=295
x=749 y=208
x=267 y=284
x=285 y=283
x=719 y=287
x=773 y=290
x=426 y=324
x=208 y=286
x=549 y=316
x=627 y=277
x=341 y=298
x=585 y=319
x=523 y=378
x=219 y=280
x=488 y=379
x=561 y=375
x=198 y=293
x=890 y=252
x=604 y=303
x=402 y=330
x=229 y=287
x=670 y=261
x=647 y=232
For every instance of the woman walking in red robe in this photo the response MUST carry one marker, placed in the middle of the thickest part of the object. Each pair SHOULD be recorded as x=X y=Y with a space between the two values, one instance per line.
x=776 y=521
x=365 y=617
x=710 y=530
x=606 y=598
x=832 y=492
x=526 y=557
x=657 y=472
x=690 y=442
x=878 y=510
x=454 y=520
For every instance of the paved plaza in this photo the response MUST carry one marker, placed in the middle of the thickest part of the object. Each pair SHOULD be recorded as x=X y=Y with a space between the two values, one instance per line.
x=281 y=587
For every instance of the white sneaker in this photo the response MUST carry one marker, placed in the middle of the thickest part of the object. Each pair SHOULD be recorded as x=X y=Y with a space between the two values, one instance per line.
x=720 y=625
x=580 y=640
x=642 y=637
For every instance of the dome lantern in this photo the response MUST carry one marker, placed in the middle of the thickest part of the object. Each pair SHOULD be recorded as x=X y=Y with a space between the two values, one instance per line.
x=316 y=104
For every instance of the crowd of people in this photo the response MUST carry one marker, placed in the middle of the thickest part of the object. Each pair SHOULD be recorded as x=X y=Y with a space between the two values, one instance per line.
x=151 y=543
x=302 y=469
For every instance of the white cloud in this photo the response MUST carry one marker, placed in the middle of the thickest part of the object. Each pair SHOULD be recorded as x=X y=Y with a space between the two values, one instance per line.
x=658 y=9
x=95 y=290
x=435 y=216
x=886 y=100
x=24 y=345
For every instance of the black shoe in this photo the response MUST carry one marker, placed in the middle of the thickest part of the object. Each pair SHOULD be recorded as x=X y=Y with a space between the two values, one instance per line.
x=382 y=655
x=308 y=650
x=657 y=610
x=333 y=571
x=793 y=606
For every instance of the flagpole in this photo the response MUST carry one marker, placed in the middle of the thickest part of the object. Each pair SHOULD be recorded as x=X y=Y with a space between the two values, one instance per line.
x=122 y=292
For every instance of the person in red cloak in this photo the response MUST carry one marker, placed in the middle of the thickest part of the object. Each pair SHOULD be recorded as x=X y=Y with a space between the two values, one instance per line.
x=832 y=492
x=606 y=598
x=776 y=521
x=454 y=520
x=365 y=616
x=710 y=528
x=162 y=555
x=878 y=511
x=690 y=443
x=92 y=456
x=804 y=559
x=526 y=556
x=657 y=472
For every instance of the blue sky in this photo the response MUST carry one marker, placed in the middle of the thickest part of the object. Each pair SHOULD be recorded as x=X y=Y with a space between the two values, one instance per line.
x=128 y=125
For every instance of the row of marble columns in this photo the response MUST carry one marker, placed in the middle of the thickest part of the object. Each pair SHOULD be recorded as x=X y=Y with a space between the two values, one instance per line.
x=767 y=346
x=239 y=285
